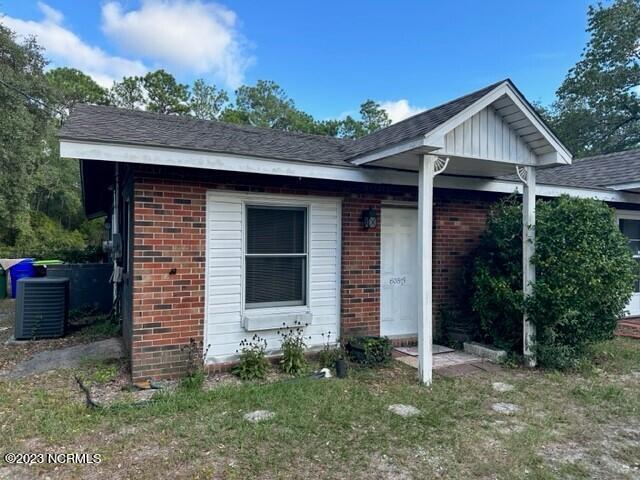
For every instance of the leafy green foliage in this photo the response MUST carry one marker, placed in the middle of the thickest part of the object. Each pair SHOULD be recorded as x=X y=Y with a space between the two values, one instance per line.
x=497 y=277
x=252 y=363
x=70 y=86
x=128 y=93
x=164 y=94
x=293 y=347
x=598 y=104
x=372 y=118
x=40 y=208
x=584 y=278
x=50 y=240
x=24 y=124
x=369 y=351
x=207 y=100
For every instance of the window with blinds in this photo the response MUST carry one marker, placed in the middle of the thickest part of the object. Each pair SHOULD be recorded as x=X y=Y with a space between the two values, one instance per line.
x=275 y=256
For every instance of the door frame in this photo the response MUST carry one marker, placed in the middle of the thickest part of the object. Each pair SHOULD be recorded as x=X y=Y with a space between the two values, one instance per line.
x=396 y=205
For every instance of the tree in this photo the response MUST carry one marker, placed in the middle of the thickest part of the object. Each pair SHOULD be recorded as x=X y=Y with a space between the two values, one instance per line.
x=164 y=94
x=70 y=86
x=267 y=105
x=128 y=93
x=156 y=92
x=598 y=104
x=24 y=102
x=372 y=118
x=206 y=100
x=56 y=183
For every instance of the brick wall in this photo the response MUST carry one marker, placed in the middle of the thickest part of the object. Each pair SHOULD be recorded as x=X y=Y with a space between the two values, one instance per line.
x=459 y=220
x=360 y=300
x=169 y=233
x=168 y=273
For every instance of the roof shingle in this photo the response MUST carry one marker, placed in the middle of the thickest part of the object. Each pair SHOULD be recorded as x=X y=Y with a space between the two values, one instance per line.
x=116 y=125
x=599 y=171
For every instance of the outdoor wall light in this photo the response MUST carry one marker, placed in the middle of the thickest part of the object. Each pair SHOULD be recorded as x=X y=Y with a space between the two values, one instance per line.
x=369 y=218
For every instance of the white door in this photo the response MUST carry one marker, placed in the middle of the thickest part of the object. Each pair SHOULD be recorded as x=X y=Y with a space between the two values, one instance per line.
x=398 y=272
x=630 y=226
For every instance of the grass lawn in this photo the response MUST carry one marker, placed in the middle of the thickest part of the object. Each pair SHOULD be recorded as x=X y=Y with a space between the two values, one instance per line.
x=582 y=424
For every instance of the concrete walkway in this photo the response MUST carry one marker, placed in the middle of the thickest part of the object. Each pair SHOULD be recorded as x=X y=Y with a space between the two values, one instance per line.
x=69 y=357
x=452 y=363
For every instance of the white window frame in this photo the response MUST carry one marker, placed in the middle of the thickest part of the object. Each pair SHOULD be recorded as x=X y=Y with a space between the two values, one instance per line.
x=276 y=307
x=627 y=215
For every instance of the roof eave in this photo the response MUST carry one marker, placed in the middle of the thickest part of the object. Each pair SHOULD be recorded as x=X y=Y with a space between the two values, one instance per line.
x=417 y=145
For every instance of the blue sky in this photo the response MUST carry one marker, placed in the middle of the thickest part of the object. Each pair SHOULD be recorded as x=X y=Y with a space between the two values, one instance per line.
x=328 y=56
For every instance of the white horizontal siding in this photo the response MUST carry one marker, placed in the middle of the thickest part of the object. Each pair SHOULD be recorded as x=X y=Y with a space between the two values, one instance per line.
x=488 y=135
x=224 y=283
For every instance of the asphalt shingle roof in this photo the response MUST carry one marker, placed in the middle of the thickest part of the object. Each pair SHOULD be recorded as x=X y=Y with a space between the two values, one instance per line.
x=600 y=171
x=116 y=125
x=417 y=125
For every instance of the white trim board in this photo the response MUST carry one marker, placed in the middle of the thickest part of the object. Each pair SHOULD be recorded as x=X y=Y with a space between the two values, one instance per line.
x=236 y=163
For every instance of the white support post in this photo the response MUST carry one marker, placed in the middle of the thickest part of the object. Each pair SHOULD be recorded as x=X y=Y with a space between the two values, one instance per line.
x=430 y=166
x=528 y=177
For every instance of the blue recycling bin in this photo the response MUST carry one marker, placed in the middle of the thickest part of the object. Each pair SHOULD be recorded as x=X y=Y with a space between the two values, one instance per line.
x=24 y=269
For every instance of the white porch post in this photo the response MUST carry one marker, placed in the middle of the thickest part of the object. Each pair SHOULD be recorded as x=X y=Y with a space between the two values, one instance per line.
x=430 y=166
x=528 y=177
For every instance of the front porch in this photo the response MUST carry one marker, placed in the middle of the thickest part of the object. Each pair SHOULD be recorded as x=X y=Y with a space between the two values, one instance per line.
x=499 y=133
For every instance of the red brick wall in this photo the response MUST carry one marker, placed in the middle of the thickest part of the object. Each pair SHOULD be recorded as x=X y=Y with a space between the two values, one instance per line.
x=459 y=220
x=168 y=306
x=360 y=277
x=169 y=233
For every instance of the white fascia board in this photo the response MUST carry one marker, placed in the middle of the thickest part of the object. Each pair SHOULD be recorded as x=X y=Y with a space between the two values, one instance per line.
x=625 y=186
x=394 y=150
x=235 y=163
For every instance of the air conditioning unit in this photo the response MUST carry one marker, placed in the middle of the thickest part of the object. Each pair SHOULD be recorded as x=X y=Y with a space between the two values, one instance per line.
x=42 y=308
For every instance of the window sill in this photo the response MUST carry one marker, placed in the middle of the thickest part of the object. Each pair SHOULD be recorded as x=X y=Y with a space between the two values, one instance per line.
x=264 y=320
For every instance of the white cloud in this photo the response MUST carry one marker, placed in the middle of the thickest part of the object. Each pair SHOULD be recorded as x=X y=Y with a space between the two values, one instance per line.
x=65 y=48
x=400 y=109
x=190 y=35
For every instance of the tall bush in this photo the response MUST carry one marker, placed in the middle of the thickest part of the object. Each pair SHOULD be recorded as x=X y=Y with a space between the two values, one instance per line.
x=585 y=273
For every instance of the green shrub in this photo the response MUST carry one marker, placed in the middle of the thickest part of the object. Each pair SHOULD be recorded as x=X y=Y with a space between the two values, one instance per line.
x=584 y=278
x=369 y=351
x=50 y=240
x=293 y=347
x=252 y=364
